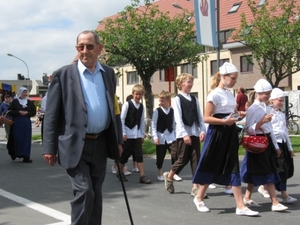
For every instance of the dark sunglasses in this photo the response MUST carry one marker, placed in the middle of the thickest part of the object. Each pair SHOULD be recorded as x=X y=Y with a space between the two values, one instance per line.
x=88 y=47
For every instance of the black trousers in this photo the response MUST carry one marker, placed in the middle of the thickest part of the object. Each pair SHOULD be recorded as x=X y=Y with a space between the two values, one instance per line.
x=86 y=180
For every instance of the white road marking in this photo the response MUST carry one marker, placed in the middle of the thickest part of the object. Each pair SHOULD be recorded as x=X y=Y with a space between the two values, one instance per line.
x=66 y=219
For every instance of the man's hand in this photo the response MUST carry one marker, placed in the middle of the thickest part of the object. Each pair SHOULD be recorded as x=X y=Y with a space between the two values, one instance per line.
x=50 y=158
x=124 y=137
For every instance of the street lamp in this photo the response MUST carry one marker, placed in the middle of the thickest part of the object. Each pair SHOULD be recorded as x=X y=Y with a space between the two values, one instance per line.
x=25 y=65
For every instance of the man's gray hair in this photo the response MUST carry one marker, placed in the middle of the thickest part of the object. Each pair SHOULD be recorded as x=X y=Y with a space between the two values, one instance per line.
x=96 y=37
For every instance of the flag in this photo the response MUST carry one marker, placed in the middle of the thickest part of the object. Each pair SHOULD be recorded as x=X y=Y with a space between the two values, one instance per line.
x=205 y=14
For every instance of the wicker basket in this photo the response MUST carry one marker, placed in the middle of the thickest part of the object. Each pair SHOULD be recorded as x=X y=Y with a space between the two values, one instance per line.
x=5 y=120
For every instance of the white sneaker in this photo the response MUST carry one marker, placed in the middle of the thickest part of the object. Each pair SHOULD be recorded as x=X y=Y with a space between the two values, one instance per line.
x=200 y=206
x=177 y=178
x=113 y=170
x=278 y=208
x=246 y=212
x=264 y=193
x=211 y=186
x=127 y=173
x=135 y=170
x=289 y=200
x=228 y=191
x=160 y=178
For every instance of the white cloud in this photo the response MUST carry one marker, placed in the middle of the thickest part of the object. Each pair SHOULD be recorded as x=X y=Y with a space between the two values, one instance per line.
x=43 y=32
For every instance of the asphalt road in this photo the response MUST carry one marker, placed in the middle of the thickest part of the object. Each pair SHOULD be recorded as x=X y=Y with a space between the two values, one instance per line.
x=38 y=194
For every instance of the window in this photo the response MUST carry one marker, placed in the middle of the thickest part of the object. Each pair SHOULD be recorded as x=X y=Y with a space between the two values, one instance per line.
x=224 y=35
x=188 y=68
x=214 y=65
x=235 y=7
x=261 y=2
x=162 y=75
x=245 y=65
x=132 y=77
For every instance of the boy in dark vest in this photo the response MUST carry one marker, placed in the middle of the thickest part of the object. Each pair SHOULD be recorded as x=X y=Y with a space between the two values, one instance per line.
x=132 y=118
x=163 y=132
x=190 y=131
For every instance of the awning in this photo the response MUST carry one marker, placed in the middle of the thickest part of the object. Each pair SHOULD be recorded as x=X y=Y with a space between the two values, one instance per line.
x=6 y=87
x=35 y=98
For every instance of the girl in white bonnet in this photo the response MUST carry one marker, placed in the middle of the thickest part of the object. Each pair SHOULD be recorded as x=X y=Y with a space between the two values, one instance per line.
x=285 y=161
x=259 y=169
x=219 y=162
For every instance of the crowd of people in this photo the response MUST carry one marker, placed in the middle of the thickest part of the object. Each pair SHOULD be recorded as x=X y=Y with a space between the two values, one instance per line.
x=85 y=124
x=180 y=128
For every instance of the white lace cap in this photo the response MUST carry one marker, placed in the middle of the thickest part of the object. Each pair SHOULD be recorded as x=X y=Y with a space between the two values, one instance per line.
x=227 y=68
x=262 y=85
x=277 y=93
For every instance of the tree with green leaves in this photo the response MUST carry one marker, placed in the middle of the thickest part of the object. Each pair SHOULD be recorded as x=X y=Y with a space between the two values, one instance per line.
x=273 y=35
x=149 y=40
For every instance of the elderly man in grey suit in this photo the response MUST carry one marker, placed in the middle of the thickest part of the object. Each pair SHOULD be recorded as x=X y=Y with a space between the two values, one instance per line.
x=82 y=127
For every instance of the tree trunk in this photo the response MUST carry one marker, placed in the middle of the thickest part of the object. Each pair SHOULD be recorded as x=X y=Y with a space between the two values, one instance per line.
x=149 y=98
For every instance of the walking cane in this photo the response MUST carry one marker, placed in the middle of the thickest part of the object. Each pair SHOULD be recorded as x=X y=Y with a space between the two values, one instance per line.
x=124 y=192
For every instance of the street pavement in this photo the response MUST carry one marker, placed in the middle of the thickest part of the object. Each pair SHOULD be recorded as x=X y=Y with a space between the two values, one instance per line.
x=38 y=194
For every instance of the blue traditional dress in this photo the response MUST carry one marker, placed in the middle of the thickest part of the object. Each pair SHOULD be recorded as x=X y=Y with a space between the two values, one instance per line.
x=260 y=169
x=219 y=161
x=19 y=142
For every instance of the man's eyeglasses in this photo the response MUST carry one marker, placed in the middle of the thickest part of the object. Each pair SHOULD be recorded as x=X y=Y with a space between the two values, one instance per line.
x=88 y=47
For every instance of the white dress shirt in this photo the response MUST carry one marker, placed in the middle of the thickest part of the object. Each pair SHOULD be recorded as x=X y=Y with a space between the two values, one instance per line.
x=183 y=130
x=166 y=136
x=133 y=133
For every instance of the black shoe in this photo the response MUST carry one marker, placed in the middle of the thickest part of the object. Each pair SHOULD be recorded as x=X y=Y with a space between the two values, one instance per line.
x=145 y=180
x=27 y=160
x=13 y=157
x=124 y=178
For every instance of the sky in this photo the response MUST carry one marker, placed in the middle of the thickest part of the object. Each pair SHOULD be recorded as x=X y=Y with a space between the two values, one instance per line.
x=43 y=33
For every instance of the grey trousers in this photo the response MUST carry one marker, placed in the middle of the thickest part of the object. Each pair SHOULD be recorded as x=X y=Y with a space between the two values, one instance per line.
x=86 y=180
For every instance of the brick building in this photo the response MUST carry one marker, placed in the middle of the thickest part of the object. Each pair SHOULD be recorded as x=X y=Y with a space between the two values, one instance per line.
x=230 y=13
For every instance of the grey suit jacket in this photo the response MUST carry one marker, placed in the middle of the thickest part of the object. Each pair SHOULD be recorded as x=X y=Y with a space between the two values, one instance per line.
x=65 y=119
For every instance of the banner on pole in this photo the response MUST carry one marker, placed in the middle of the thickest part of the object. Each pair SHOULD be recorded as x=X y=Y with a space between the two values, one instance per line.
x=205 y=16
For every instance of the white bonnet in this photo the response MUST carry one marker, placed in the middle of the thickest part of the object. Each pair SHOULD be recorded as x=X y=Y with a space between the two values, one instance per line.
x=21 y=89
x=277 y=93
x=227 y=68
x=262 y=85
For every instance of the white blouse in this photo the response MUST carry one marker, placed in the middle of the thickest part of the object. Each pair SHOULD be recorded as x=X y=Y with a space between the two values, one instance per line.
x=255 y=113
x=279 y=128
x=223 y=100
